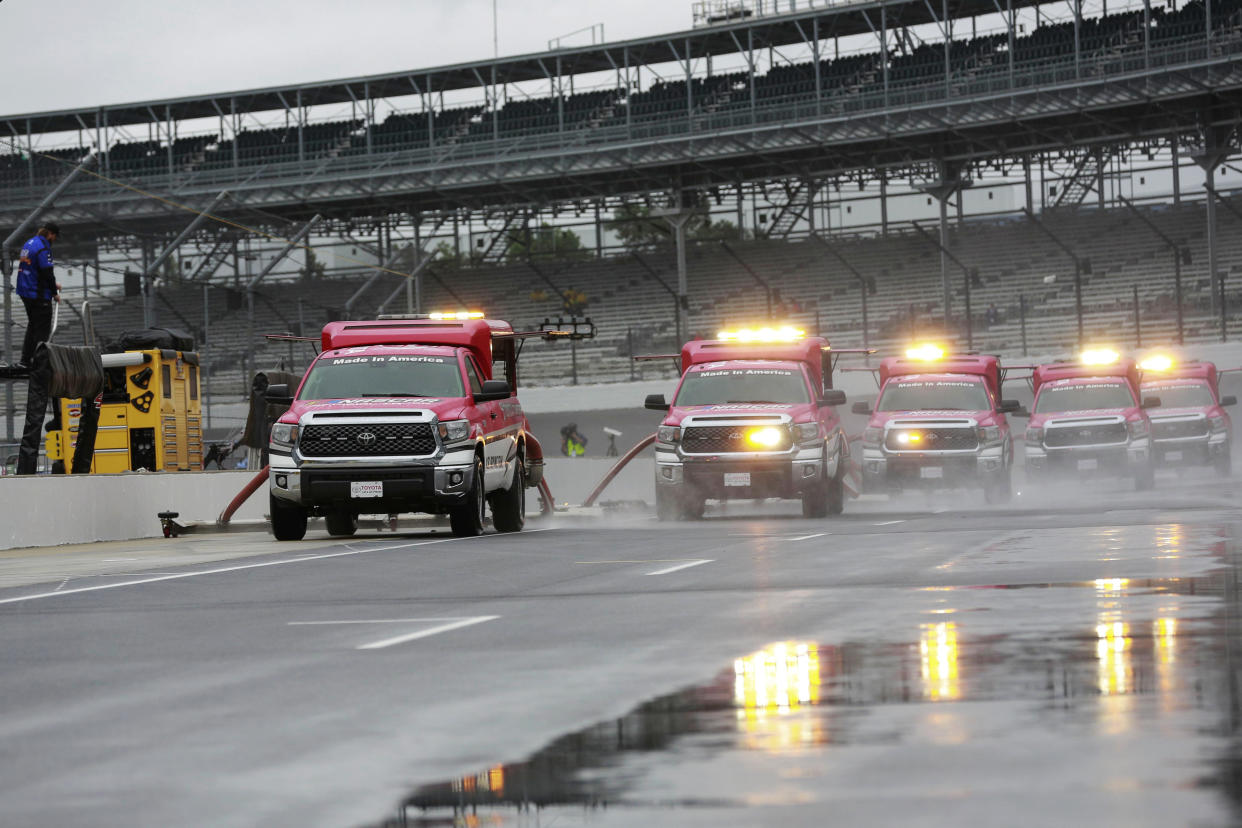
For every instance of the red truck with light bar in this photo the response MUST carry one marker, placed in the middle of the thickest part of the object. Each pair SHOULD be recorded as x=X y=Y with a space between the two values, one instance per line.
x=939 y=422
x=1192 y=427
x=1089 y=419
x=752 y=417
x=405 y=415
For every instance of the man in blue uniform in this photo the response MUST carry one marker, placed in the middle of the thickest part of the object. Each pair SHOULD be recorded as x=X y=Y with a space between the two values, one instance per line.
x=38 y=288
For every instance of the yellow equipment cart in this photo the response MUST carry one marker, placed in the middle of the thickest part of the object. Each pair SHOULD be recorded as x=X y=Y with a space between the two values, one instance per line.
x=150 y=416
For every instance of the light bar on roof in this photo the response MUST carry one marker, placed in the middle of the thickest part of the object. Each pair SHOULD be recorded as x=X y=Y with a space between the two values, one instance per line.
x=1099 y=356
x=459 y=315
x=1157 y=362
x=926 y=352
x=785 y=333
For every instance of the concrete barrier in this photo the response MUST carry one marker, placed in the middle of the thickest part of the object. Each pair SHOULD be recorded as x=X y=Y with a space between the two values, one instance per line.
x=50 y=510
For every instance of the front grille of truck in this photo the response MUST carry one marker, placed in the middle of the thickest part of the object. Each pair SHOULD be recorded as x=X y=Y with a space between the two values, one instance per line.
x=368 y=440
x=1096 y=434
x=933 y=439
x=727 y=439
x=1178 y=429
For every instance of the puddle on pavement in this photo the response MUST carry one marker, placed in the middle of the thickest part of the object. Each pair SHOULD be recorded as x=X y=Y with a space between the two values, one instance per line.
x=1143 y=696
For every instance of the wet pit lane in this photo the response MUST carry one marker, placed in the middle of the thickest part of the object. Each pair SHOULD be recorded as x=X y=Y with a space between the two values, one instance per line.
x=1067 y=659
x=1106 y=701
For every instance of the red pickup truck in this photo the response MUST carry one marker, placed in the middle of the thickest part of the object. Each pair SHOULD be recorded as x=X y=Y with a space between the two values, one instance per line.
x=409 y=415
x=753 y=417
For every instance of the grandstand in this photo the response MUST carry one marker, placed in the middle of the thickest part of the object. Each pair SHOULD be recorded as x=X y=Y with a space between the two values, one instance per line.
x=789 y=127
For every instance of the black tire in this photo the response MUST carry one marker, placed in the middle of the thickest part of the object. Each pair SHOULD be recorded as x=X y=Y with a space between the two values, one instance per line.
x=466 y=520
x=999 y=489
x=836 y=488
x=341 y=524
x=1145 y=479
x=666 y=503
x=692 y=505
x=288 y=519
x=815 y=501
x=1223 y=463
x=509 y=505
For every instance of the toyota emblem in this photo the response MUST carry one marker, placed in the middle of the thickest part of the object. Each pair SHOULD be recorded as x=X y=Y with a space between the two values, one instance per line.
x=735 y=435
x=366 y=438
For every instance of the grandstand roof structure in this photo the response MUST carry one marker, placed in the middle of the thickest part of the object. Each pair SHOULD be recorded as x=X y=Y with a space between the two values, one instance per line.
x=924 y=107
x=840 y=20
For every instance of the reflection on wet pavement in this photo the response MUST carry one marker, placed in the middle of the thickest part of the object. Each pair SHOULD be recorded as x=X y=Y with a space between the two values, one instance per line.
x=1118 y=695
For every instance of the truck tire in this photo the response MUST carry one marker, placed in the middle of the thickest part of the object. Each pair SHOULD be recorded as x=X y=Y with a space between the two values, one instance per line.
x=466 y=520
x=815 y=501
x=666 y=503
x=341 y=524
x=692 y=505
x=999 y=488
x=1223 y=464
x=509 y=505
x=1145 y=478
x=288 y=519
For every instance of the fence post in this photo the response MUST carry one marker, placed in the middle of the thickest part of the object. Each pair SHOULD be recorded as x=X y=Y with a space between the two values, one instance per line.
x=1022 y=319
x=1138 y=322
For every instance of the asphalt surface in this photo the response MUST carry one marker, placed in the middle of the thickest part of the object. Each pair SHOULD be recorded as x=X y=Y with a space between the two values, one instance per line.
x=1071 y=658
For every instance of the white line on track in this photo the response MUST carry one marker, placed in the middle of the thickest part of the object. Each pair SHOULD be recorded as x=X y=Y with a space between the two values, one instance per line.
x=401 y=639
x=808 y=537
x=888 y=522
x=378 y=621
x=687 y=565
x=221 y=570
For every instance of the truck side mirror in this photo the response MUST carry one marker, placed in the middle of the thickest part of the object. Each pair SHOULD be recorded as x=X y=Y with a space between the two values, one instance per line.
x=1009 y=406
x=1228 y=399
x=493 y=390
x=655 y=402
x=833 y=396
x=278 y=394
x=861 y=407
x=1151 y=402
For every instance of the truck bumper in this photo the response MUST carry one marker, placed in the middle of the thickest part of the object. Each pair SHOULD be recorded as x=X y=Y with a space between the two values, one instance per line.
x=1123 y=460
x=1192 y=451
x=723 y=478
x=884 y=471
x=412 y=488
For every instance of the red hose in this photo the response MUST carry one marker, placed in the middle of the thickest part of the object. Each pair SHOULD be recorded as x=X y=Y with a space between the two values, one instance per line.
x=620 y=464
x=243 y=496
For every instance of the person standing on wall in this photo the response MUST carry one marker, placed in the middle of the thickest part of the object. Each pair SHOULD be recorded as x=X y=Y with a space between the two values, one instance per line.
x=38 y=288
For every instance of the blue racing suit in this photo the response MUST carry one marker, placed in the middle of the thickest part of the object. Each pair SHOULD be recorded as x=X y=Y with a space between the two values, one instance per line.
x=35 y=279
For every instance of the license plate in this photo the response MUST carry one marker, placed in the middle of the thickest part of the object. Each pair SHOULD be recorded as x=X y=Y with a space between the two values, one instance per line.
x=931 y=472
x=366 y=489
x=1088 y=464
x=737 y=478
x=1172 y=455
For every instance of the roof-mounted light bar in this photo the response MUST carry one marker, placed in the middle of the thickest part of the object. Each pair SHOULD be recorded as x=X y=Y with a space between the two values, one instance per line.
x=1099 y=356
x=785 y=333
x=925 y=352
x=1158 y=363
x=455 y=315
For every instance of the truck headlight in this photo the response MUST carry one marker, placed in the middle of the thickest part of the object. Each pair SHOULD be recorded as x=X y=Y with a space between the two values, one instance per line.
x=807 y=432
x=454 y=431
x=286 y=434
x=989 y=434
x=1035 y=434
x=872 y=435
x=668 y=433
x=1216 y=423
x=1137 y=428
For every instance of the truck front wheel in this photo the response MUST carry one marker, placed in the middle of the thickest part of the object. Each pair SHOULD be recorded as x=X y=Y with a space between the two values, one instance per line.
x=509 y=505
x=466 y=520
x=341 y=524
x=666 y=503
x=288 y=519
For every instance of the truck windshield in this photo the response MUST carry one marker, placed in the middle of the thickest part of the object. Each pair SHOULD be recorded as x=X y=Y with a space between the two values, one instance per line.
x=743 y=385
x=1084 y=397
x=934 y=395
x=1198 y=395
x=383 y=376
